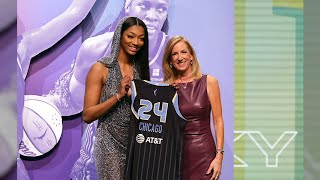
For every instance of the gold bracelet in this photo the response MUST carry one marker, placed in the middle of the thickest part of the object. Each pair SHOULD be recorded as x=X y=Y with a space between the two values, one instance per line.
x=117 y=96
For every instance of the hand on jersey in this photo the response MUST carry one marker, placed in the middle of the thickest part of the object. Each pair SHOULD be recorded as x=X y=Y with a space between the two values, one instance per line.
x=125 y=86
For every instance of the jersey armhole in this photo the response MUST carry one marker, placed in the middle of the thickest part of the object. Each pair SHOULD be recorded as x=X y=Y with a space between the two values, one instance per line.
x=133 y=97
x=176 y=105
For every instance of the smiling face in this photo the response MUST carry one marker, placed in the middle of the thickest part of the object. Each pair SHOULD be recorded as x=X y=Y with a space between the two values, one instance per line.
x=152 y=12
x=132 y=39
x=181 y=58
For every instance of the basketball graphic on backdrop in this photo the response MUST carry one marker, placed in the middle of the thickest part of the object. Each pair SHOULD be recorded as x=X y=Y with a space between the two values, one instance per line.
x=42 y=126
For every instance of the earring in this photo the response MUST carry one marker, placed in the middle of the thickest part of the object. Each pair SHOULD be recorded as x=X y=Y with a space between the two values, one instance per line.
x=170 y=65
x=191 y=62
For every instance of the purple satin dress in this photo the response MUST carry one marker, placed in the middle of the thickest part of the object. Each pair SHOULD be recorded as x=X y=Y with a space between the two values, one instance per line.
x=199 y=145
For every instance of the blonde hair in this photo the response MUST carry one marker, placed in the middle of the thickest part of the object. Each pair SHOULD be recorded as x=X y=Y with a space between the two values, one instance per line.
x=171 y=74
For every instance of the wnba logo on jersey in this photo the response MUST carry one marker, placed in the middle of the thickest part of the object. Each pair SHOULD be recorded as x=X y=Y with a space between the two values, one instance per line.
x=151 y=140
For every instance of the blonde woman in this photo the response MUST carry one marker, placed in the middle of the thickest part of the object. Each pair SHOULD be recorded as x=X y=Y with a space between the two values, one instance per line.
x=199 y=95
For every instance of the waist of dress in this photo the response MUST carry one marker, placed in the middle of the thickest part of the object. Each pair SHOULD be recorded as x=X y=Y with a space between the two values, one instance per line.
x=197 y=127
x=118 y=131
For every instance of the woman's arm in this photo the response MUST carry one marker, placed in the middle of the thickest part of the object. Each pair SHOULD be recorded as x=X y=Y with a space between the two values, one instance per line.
x=36 y=41
x=92 y=109
x=215 y=101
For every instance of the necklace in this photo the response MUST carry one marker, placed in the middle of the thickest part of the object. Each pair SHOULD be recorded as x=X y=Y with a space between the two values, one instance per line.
x=184 y=84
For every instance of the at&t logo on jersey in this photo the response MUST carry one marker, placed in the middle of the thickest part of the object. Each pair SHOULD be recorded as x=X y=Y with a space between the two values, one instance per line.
x=140 y=138
x=151 y=140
